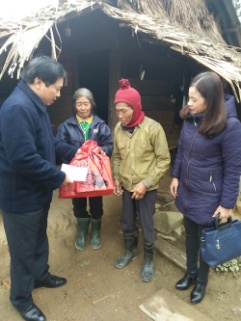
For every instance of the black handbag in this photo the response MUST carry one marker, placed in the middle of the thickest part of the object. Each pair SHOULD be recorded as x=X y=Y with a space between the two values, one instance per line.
x=222 y=242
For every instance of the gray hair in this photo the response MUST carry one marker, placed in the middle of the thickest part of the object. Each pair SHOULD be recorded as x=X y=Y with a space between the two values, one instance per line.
x=84 y=92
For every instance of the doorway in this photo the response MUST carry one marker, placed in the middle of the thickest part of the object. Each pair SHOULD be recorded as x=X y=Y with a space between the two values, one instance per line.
x=94 y=75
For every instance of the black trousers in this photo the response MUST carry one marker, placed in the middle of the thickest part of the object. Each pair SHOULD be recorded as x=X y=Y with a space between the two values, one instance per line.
x=195 y=263
x=144 y=208
x=96 y=207
x=29 y=250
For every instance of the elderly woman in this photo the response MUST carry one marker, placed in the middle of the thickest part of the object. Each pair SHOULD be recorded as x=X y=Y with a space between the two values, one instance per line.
x=84 y=125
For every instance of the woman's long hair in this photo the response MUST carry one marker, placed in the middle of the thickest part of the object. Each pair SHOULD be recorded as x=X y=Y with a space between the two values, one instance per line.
x=209 y=85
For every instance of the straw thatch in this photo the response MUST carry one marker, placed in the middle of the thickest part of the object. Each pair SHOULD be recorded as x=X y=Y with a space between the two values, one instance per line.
x=23 y=36
x=210 y=50
x=185 y=26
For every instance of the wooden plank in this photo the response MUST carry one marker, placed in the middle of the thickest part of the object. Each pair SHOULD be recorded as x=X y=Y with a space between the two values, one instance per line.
x=114 y=76
x=62 y=107
x=151 y=87
x=156 y=102
x=171 y=131
x=171 y=252
x=162 y=116
x=166 y=306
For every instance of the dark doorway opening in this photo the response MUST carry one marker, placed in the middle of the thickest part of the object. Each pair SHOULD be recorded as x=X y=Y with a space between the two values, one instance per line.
x=94 y=75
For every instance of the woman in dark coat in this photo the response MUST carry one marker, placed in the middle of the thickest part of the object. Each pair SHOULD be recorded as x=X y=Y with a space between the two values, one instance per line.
x=207 y=169
x=84 y=125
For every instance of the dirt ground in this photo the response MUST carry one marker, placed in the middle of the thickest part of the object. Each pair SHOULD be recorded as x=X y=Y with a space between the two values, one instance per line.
x=96 y=290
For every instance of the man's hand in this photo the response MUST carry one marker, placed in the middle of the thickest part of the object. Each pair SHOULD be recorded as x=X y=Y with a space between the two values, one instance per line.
x=67 y=181
x=117 y=190
x=139 y=191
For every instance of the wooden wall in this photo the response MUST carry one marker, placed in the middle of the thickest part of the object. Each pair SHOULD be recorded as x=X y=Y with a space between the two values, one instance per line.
x=62 y=108
x=156 y=103
x=155 y=72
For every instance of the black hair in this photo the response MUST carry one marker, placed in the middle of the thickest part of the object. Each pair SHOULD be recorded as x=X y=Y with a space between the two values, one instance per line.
x=44 y=68
x=210 y=87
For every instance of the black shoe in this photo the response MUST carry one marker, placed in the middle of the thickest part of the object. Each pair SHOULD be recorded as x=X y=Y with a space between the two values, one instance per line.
x=51 y=282
x=185 y=282
x=33 y=314
x=198 y=292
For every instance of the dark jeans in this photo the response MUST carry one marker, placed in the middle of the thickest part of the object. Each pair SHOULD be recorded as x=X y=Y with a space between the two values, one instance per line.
x=193 y=235
x=144 y=208
x=96 y=207
x=29 y=250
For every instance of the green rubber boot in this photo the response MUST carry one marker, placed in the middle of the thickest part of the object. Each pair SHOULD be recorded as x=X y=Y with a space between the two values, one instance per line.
x=83 y=227
x=95 y=234
x=130 y=246
x=147 y=270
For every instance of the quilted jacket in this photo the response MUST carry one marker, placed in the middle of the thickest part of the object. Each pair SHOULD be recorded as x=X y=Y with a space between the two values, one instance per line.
x=208 y=168
x=70 y=132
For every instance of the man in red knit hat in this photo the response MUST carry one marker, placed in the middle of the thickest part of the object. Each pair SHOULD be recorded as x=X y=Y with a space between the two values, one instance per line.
x=141 y=158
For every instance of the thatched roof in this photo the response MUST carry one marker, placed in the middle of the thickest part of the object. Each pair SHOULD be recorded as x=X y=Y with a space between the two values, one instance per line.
x=185 y=26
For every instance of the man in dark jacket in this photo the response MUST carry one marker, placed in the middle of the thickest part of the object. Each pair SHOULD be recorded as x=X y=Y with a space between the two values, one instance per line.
x=28 y=176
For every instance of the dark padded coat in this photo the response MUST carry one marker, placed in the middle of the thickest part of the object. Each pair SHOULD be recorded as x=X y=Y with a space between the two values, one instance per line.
x=208 y=169
x=70 y=132
x=28 y=151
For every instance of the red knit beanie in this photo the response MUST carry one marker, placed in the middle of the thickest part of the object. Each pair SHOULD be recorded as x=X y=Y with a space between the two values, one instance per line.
x=129 y=95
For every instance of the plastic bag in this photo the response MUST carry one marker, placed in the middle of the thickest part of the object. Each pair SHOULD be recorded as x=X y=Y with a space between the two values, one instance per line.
x=99 y=180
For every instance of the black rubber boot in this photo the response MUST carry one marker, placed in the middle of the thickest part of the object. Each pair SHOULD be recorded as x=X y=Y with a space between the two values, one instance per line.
x=83 y=227
x=147 y=270
x=95 y=234
x=130 y=245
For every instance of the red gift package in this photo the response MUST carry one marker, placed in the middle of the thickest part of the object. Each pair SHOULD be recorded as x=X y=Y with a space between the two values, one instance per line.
x=99 y=180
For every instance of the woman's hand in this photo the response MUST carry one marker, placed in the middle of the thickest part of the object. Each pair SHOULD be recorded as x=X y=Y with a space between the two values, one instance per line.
x=174 y=186
x=78 y=152
x=223 y=212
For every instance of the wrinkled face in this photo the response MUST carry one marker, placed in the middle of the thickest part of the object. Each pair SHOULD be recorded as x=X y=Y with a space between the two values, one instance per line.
x=196 y=102
x=83 y=107
x=48 y=94
x=124 y=113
